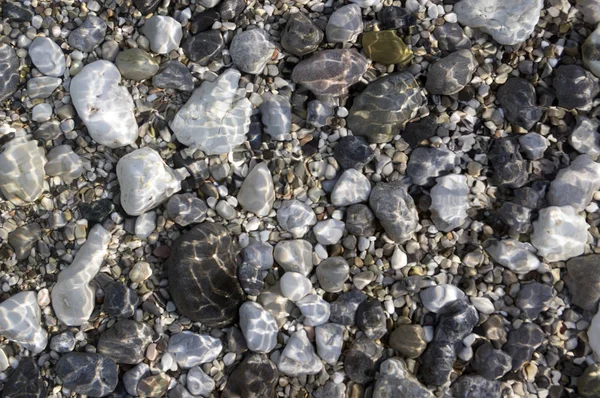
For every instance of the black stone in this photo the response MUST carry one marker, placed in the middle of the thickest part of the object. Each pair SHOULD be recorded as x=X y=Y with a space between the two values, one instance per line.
x=353 y=152
x=255 y=132
x=490 y=362
x=146 y=6
x=231 y=9
x=120 y=301
x=236 y=342
x=360 y=220
x=343 y=310
x=515 y=216
x=25 y=381
x=457 y=320
x=391 y=18
x=360 y=362
x=371 y=319
x=86 y=373
x=510 y=170
x=451 y=37
x=575 y=87
x=251 y=279
x=203 y=47
x=202 y=272
x=255 y=377
x=474 y=386
x=300 y=35
x=437 y=362
x=583 y=281
x=97 y=211
x=16 y=12
x=204 y=21
x=518 y=99
x=125 y=342
x=533 y=297
x=522 y=342
x=423 y=129
x=175 y=75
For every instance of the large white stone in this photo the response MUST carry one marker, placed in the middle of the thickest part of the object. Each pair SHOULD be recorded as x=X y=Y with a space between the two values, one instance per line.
x=257 y=192
x=164 y=33
x=315 y=309
x=299 y=357
x=295 y=286
x=575 y=185
x=72 y=297
x=294 y=256
x=22 y=171
x=509 y=22
x=213 y=120
x=47 y=57
x=104 y=105
x=259 y=327
x=559 y=233
x=436 y=297
x=20 y=321
x=145 y=181
x=191 y=349
x=449 y=202
x=517 y=256
x=296 y=217
x=352 y=187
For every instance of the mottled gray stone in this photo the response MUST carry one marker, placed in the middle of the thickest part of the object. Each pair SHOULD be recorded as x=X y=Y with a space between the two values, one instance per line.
x=475 y=386
x=585 y=137
x=199 y=383
x=427 y=163
x=89 y=35
x=515 y=216
x=522 y=342
x=63 y=342
x=360 y=361
x=490 y=362
x=136 y=64
x=191 y=349
x=230 y=9
x=583 y=281
x=255 y=377
x=343 y=310
x=259 y=254
x=25 y=381
x=276 y=113
x=395 y=380
x=510 y=169
x=353 y=152
x=345 y=24
x=518 y=99
x=125 y=342
x=204 y=46
x=300 y=35
x=395 y=209
x=120 y=301
x=296 y=217
x=590 y=9
x=163 y=32
x=371 y=319
x=9 y=76
x=575 y=87
x=315 y=310
x=332 y=273
x=517 y=256
x=132 y=378
x=329 y=339
x=64 y=163
x=330 y=390
x=533 y=298
x=47 y=57
x=533 y=145
x=86 y=373
x=174 y=75
x=40 y=87
x=575 y=185
x=450 y=74
x=251 y=50
x=451 y=37
x=360 y=220
x=294 y=256
x=186 y=209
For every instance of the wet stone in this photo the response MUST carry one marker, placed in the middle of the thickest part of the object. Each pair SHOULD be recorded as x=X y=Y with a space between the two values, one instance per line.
x=437 y=362
x=20 y=321
x=259 y=327
x=136 y=64
x=164 y=34
x=329 y=339
x=371 y=319
x=24 y=238
x=491 y=363
x=416 y=132
x=9 y=76
x=456 y=321
x=203 y=47
x=387 y=48
x=385 y=106
x=259 y=254
x=588 y=384
x=452 y=73
x=427 y=163
x=345 y=24
x=64 y=342
x=575 y=185
x=522 y=342
x=585 y=137
x=47 y=57
x=132 y=378
x=315 y=310
x=96 y=211
x=273 y=300
x=394 y=379
x=518 y=99
x=231 y=9
x=204 y=21
x=257 y=193
x=191 y=349
x=91 y=374
x=38 y=87
x=25 y=381
x=199 y=383
x=330 y=390
x=186 y=209
x=393 y=17
x=395 y=209
x=16 y=12
x=299 y=357
x=351 y=188
x=330 y=72
x=533 y=298
x=146 y=6
x=255 y=377
x=300 y=35
x=449 y=202
x=353 y=152
x=408 y=340
x=64 y=163
x=515 y=216
x=360 y=362
x=120 y=301
x=474 y=386
x=88 y=35
x=575 y=87
x=153 y=386
x=583 y=281
x=276 y=113
x=125 y=342
x=251 y=50
x=590 y=52
x=559 y=233
x=294 y=256
x=510 y=169
x=451 y=37
x=201 y=268
x=343 y=310
x=251 y=279
x=332 y=273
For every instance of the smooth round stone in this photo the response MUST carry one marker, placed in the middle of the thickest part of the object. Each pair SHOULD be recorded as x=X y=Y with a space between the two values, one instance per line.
x=191 y=349
x=518 y=99
x=119 y=300
x=353 y=187
x=64 y=342
x=276 y=113
x=136 y=64
x=583 y=281
x=147 y=6
x=300 y=35
x=559 y=233
x=590 y=52
x=393 y=17
x=315 y=310
x=332 y=273
x=296 y=217
x=395 y=209
x=255 y=377
x=361 y=360
x=86 y=373
x=186 y=209
x=510 y=169
x=202 y=270
x=408 y=340
x=125 y=342
x=145 y=181
x=22 y=163
x=385 y=106
x=9 y=71
x=41 y=87
x=509 y=22
x=575 y=87
x=330 y=72
x=199 y=383
x=259 y=327
x=203 y=47
x=345 y=24
x=360 y=220
x=294 y=256
x=164 y=33
x=371 y=319
x=588 y=384
x=295 y=286
x=387 y=48
x=25 y=381
x=104 y=105
x=329 y=339
x=89 y=35
x=250 y=50
x=298 y=357
x=231 y=9
x=20 y=321
x=353 y=152
x=276 y=303
x=451 y=37
x=449 y=202
x=41 y=113
x=204 y=21
x=257 y=193
x=471 y=386
x=64 y=163
x=47 y=57
x=450 y=74
x=437 y=297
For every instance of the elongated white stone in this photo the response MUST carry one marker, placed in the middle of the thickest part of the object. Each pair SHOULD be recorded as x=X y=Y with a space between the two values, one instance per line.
x=72 y=296
x=257 y=192
x=259 y=327
x=145 y=181
x=22 y=171
x=103 y=105
x=449 y=202
x=20 y=318
x=47 y=57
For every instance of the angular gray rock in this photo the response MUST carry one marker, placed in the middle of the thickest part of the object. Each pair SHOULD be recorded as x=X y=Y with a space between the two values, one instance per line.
x=385 y=106
x=345 y=24
x=575 y=87
x=276 y=113
x=517 y=256
x=510 y=169
x=343 y=310
x=427 y=163
x=518 y=99
x=475 y=386
x=47 y=56
x=522 y=342
x=435 y=298
x=360 y=220
x=509 y=22
x=590 y=9
x=300 y=35
x=87 y=373
x=296 y=217
x=203 y=47
x=490 y=362
x=25 y=381
x=9 y=75
x=590 y=51
x=257 y=193
x=330 y=72
x=192 y=349
x=250 y=50
x=575 y=185
x=371 y=319
x=299 y=357
x=395 y=209
x=395 y=380
x=174 y=75
x=533 y=298
x=533 y=145
x=450 y=74
x=294 y=256
x=583 y=281
x=353 y=152
x=585 y=137
x=329 y=339
x=89 y=35
x=125 y=341
x=259 y=327
x=449 y=202
x=360 y=361
x=186 y=209
x=559 y=233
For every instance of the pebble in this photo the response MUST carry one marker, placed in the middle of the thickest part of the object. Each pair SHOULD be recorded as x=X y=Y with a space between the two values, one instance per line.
x=186 y=209
x=259 y=254
x=191 y=349
x=47 y=57
x=296 y=217
x=590 y=50
x=259 y=327
x=199 y=383
x=393 y=17
x=145 y=181
x=517 y=256
x=136 y=64
x=522 y=342
x=408 y=340
x=518 y=99
x=41 y=87
x=251 y=50
x=22 y=178
x=104 y=105
x=17 y=12
x=9 y=75
x=231 y=9
x=276 y=113
x=125 y=341
x=583 y=281
x=360 y=220
x=64 y=163
x=510 y=169
x=343 y=310
x=212 y=119
x=153 y=386
x=173 y=75
x=533 y=145
x=119 y=300
x=295 y=286
x=490 y=362
x=87 y=373
x=394 y=377
x=257 y=193
x=575 y=185
x=332 y=273
x=371 y=319
x=255 y=377
x=361 y=359
x=451 y=37
x=89 y=35
x=449 y=202
x=437 y=297
x=395 y=209
x=329 y=232
x=132 y=377
x=204 y=21
x=427 y=163
x=353 y=152
x=314 y=309
x=41 y=113
x=385 y=106
x=329 y=339
x=534 y=298
x=331 y=389
x=472 y=386
x=204 y=288
x=575 y=87
x=163 y=32
x=352 y=187
x=294 y=256
x=140 y=272
x=23 y=239
x=451 y=74
x=20 y=321
x=300 y=35
x=203 y=47
x=299 y=357
x=585 y=137
x=345 y=24
x=63 y=342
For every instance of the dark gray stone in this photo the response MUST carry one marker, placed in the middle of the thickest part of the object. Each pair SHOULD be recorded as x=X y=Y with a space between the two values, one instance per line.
x=522 y=342
x=88 y=35
x=414 y=133
x=251 y=278
x=395 y=209
x=16 y=12
x=146 y=6
x=300 y=35
x=202 y=272
x=251 y=50
x=575 y=87
x=360 y=362
x=186 y=209
x=457 y=320
x=97 y=211
x=175 y=75
x=203 y=47
x=392 y=17
x=490 y=362
x=583 y=281
x=510 y=170
x=64 y=342
x=518 y=99
x=533 y=298
x=120 y=301
x=437 y=362
x=451 y=37
x=452 y=73
x=474 y=386
x=371 y=319
x=24 y=238
x=515 y=216
x=255 y=377
x=125 y=342
x=86 y=373
x=330 y=390
x=204 y=21
x=427 y=163
x=385 y=106
x=343 y=310
x=353 y=152
x=25 y=381
x=9 y=75
x=231 y=9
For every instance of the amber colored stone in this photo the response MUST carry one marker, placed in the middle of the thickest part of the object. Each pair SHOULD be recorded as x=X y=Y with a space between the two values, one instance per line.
x=386 y=47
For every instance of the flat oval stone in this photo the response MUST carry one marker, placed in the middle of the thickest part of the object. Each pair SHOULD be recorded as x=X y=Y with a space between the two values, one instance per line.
x=395 y=209
x=86 y=373
x=203 y=47
x=186 y=209
x=22 y=163
x=330 y=72
x=385 y=106
x=387 y=48
x=25 y=381
x=47 y=57
x=583 y=281
x=17 y=12
x=42 y=86
x=250 y=50
x=9 y=76
x=136 y=64
x=257 y=193
x=408 y=340
x=300 y=35
x=202 y=271
x=255 y=377
x=345 y=24
x=125 y=341
x=451 y=74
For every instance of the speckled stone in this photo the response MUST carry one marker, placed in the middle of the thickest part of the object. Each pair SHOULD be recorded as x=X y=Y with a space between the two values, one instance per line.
x=575 y=87
x=125 y=341
x=203 y=47
x=395 y=209
x=451 y=74
x=88 y=35
x=25 y=381
x=300 y=35
x=86 y=373
x=250 y=50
